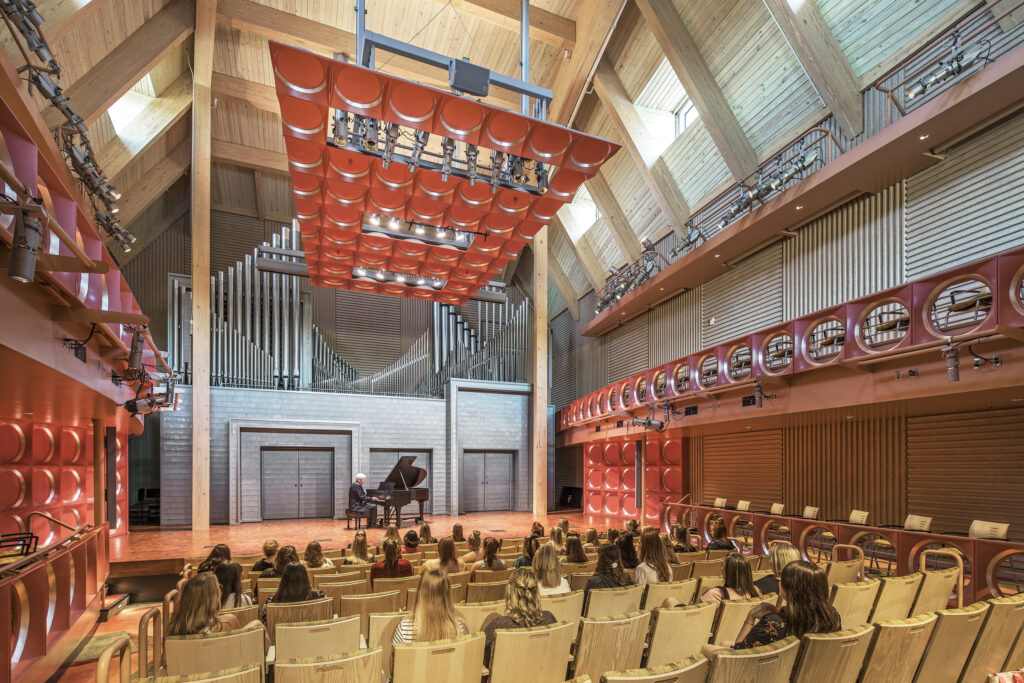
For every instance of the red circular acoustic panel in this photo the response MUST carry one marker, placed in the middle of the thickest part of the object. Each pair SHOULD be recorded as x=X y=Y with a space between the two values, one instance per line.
x=653 y=453
x=463 y=218
x=477 y=195
x=629 y=453
x=302 y=118
x=70 y=486
x=359 y=89
x=611 y=454
x=432 y=185
x=511 y=202
x=611 y=503
x=506 y=132
x=386 y=202
x=612 y=479
x=395 y=177
x=547 y=143
x=13 y=488
x=653 y=479
x=629 y=505
x=563 y=185
x=461 y=118
x=411 y=104
x=425 y=211
x=345 y=194
x=586 y=154
x=12 y=442
x=349 y=166
x=594 y=454
x=653 y=509
x=595 y=503
x=672 y=479
x=629 y=478
x=300 y=71
x=44 y=486
x=345 y=218
x=672 y=452
x=70 y=446
x=13 y=523
x=43 y=444
x=594 y=478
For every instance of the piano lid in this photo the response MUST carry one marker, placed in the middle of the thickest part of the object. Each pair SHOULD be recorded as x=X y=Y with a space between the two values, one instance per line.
x=405 y=475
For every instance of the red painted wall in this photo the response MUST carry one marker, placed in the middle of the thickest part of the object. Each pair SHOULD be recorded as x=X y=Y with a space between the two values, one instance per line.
x=610 y=476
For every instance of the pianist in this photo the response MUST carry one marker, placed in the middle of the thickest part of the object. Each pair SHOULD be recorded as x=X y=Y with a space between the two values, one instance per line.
x=358 y=501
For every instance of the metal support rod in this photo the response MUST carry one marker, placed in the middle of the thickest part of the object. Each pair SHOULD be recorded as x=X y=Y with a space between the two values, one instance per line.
x=524 y=52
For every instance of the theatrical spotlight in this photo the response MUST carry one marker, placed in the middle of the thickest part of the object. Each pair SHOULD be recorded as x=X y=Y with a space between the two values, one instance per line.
x=390 y=140
x=736 y=208
x=471 y=155
x=693 y=236
x=800 y=165
x=648 y=423
x=956 y=65
x=447 y=157
x=22 y=263
x=340 y=128
x=541 y=172
x=951 y=354
x=141 y=406
x=419 y=142
x=135 y=354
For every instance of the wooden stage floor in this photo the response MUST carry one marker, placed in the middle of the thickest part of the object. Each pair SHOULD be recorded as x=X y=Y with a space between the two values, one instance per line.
x=152 y=543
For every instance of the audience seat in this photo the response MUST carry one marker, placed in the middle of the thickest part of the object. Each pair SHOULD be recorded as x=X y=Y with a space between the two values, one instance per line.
x=683 y=591
x=317 y=610
x=708 y=567
x=146 y=665
x=566 y=607
x=338 y=590
x=546 y=648
x=213 y=651
x=367 y=604
x=895 y=597
x=325 y=638
x=854 y=601
x=402 y=585
x=897 y=648
x=362 y=666
x=382 y=634
x=485 y=592
x=490 y=575
x=457 y=660
x=475 y=614
x=578 y=582
x=711 y=555
x=997 y=637
x=266 y=588
x=347 y=577
x=732 y=614
x=238 y=674
x=936 y=587
x=951 y=642
x=120 y=648
x=690 y=670
x=835 y=657
x=606 y=602
x=611 y=643
x=767 y=664
x=844 y=571
x=679 y=632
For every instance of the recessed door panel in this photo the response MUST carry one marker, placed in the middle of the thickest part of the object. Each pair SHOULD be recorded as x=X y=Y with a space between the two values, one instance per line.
x=315 y=484
x=280 y=484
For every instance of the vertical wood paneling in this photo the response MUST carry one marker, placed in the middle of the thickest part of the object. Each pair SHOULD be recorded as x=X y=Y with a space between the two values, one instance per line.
x=627 y=348
x=591 y=370
x=146 y=274
x=745 y=299
x=846 y=254
x=675 y=328
x=563 y=359
x=969 y=206
x=232 y=236
x=745 y=465
x=967 y=466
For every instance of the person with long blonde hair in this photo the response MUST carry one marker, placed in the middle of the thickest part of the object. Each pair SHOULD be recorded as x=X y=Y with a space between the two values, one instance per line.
x=360 y=553
x=557 y=538
x=591 y=541
x=652 y=568
x=446 y=559
x=392 y=566
x=522 y=605
x=425 y=536
x=314 y=556
x=198 y=610
x=547 y=568
x=433 y=615
x=392 y=533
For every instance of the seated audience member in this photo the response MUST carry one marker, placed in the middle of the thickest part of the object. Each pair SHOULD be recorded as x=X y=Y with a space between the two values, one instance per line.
x=490 y=561
x=391 y=532
x=220 y=553
x=666 y=544
x=548 y=571
x=475 y=554
x=780 y=555
x=612 y=536
x=360 y=554
x=392 y=566
x=557 y=539
x=804 y=588
x=632 y=527
x=198 y=610
x=563 y=524
x=590 y=541
x=294 y=587
x=530 y=545
x=720 y=538
x=446 y=560
x=653 y=567
x=411 y=542
x=574 y=553
x=269 y=553
x=608 y=573
x=285 y=556
x=425 y=536
x=522 y=605
x=681 y=542
x=229 y=576
x=457 y=533
x=537 y=530
x=314 y=556
x=627 y=552
x=433 y=616
x=739 y=581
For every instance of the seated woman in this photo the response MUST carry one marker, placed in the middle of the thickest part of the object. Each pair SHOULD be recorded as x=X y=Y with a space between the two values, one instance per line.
x=360 y=554
x=445 y=560
x=530 y=545
x=780 y=555
x=198 y=610
x=720 y=538
x=627 y=551
x=557 y=539
x=457 y=533
x=804 y=588
x=548 y=571
x=294 y=587
x=590 y=541
x=563 y=524
x=425 y=536
x=574 y=553
x=220 y=553
x=269 y=553
x=537 y=530
x=314 y=556
x=474 y=554
x=490 y=561
x=522 y=606
x=739 y=581
x=608 y=573
x=633 y=527
x=653 y=567
x=285 y=556
x=681 y=542
x=612 y=536
x=433 y=615
x=666 y=545
x=392 y=566
x=391 y=532
x=229 y=576
x=411 y=542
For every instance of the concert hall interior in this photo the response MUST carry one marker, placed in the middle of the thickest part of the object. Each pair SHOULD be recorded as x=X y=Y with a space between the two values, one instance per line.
x=410 y=340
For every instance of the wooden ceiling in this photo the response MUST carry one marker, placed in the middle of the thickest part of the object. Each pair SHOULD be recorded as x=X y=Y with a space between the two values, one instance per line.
x=734 y=58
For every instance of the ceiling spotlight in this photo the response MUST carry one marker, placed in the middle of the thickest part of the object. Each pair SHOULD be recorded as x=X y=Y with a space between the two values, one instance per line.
x=421 y=281
x=22 y=263
x=135 y=354
x=420 y=230
x=436 y=283
x=956 y=65
x=442 y=233
x=497 y=158
x=390 y=140
x=400 y=278
x=797 y=168
x=394 y=223
x=374 y=219
x=447 y=155
x=923 y=137
x=460 y=236
x=360 y=271
x=471 y=155
x=542 y=177
x=340 y=128
x=370 y=127
x=951 y=354
x=419 y=143
x=381 y=275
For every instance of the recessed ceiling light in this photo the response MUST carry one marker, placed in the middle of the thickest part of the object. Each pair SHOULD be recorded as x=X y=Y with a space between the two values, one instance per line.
x=923 y=137
x=661 y=289
x=799 y=207
x=717 y=255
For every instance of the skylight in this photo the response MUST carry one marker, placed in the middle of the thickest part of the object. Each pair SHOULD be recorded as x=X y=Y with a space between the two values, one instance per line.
x=664 y=106
x=130 y=105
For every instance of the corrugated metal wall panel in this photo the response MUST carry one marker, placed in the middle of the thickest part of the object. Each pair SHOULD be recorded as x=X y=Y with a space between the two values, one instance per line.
x=840 y=464
x=970 y=205
x=368 y=328
x=146 y=274
x=568 y=470
x=232 y=237
x=675 y=328
x=325 y=313
x=556 y=302
x=696 y=163
x=745 y=299
x=415 y=320
x=563 y=359
x=967 y=466
x=851 y=252
x=696 y=450
x=591 y=368
x=627 y=348
x=746 y=465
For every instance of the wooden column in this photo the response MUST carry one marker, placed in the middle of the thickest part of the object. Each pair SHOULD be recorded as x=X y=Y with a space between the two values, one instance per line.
x=206 y=19
x=99 y=480
x=642 y=491
x=539 y=426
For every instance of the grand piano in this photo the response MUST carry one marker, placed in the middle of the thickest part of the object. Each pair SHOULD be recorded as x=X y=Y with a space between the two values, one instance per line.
x=400 y=488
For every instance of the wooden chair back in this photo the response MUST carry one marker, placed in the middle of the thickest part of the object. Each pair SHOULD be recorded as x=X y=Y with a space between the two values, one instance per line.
x=414 y=557
x=713 y=567
x=707 y=583
x=266 y=588
x=810 y=512
x=402 y=585
x=720 y=502
x=759 y=574
x=996 y=639
x=122 y=649
x=367 y=604
x=896 y=649
x=490 y=575
x=239 y=674
x=569 y=568
x=485 y=592
x=362 y=569
x=754 y=561
x=317 y=571
x=777 y=508
x=690 y=670
x=147 y=666
x=362 y=666
x=834 y=657
x=955 y=633
x=336 y=591
x=578 y=582
x=325 y=638
x=214 y=651
x=297 y=612
x=854 y=601
x=334 y=554
x=932 y=592
x=917 y=523
x=454 y=661
x=610 y=602
x=982 y=529
x=731 y=615
x=170 y=602
x=476 y=613
x=460 y=578
x=244 y=615
x=382 y=635
x=895 y=597
x=545 y=647
x=743 y=505
x=858 y=517
x=567 y=607
x=611 y=644
x=684 y=591
x=683 y=568
x=843 y=571
x=341 y=577
x=715 y=555
x=767 y=664
x=936 y=587
x=679 y=632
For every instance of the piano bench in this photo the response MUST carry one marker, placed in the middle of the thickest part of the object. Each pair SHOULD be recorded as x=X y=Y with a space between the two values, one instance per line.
x=352 y=514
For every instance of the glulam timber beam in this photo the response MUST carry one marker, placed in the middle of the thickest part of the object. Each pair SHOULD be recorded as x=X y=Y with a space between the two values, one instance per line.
x=668 y=28
x=581 y=250
x=254 y=158
x=97 y=316
x=823 y=60
x=564 y=286
x=545 y=26
x=615 y=217
x=999 y=7
x=594 y=25
x=257 y=95
x=637 y=140
x=539 y=376
x=126 y=64
x=151 y=186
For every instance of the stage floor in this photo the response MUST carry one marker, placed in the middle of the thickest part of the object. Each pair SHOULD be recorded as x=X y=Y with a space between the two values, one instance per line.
x=152 y=543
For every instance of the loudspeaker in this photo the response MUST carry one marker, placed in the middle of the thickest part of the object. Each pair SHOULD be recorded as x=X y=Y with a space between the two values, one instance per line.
x=571 y=497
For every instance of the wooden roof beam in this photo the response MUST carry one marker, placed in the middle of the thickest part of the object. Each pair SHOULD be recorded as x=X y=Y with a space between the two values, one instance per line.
x=637 y=140
x=255 y=158
x=823 y=60
x=154 y=182
x=545 y=26
x=564 y=286
x=257 y=95
x=679 y=47
x=133 y=58
x=584 y=254
x=615 y=217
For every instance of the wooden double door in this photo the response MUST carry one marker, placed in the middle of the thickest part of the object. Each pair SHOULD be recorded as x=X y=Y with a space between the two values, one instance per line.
x=297 y=483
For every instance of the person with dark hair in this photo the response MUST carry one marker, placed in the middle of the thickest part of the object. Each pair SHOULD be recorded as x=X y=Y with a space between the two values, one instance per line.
x=632 y=528
x=199 y=610
x=804 y=588
x=411 y=542
x=392 y=566
x=446 y=560
x=530 y=545
x=269 y=553
x=627 y=551
x=590 y=541
x=537 y=530
x=314 y=556
x=653 y=567
x=294 y=587
x=457 y=533
x=608 y=573
x=574 y=553
x=681 y=542
x=229 y=576
x=738 y=581
x=612 y=536
x=220 y=553
x=285 y=556
x=490 y=561
x=720 y=538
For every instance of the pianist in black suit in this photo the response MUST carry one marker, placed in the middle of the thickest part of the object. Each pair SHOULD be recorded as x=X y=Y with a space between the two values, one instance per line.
x=358 y=501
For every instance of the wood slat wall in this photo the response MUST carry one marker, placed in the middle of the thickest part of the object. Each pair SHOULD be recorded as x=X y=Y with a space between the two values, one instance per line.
x=627 y=349
x=695 y=163
x=563 y=359
x=966 y=466
x=745 y=465
x=745 y=299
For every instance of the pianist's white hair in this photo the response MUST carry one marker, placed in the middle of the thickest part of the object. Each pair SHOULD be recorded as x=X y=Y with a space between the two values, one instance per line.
x=360 y=476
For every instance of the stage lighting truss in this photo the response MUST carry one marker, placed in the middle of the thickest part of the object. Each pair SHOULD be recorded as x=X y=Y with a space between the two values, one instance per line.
x=396 y=177
x=624 y=280
x=961 y=60
x=404 y=279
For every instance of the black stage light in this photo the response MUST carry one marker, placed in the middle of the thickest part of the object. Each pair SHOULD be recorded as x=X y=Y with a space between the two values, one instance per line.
x=22 y=263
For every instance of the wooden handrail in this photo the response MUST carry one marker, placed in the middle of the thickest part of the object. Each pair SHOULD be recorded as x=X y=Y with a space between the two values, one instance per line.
x=957 y=560
x=153 y=615
x=857 y=550
x=37 y=513
x=122 y=647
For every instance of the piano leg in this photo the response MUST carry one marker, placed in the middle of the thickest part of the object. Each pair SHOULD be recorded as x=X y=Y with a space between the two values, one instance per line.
x=420 y=518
